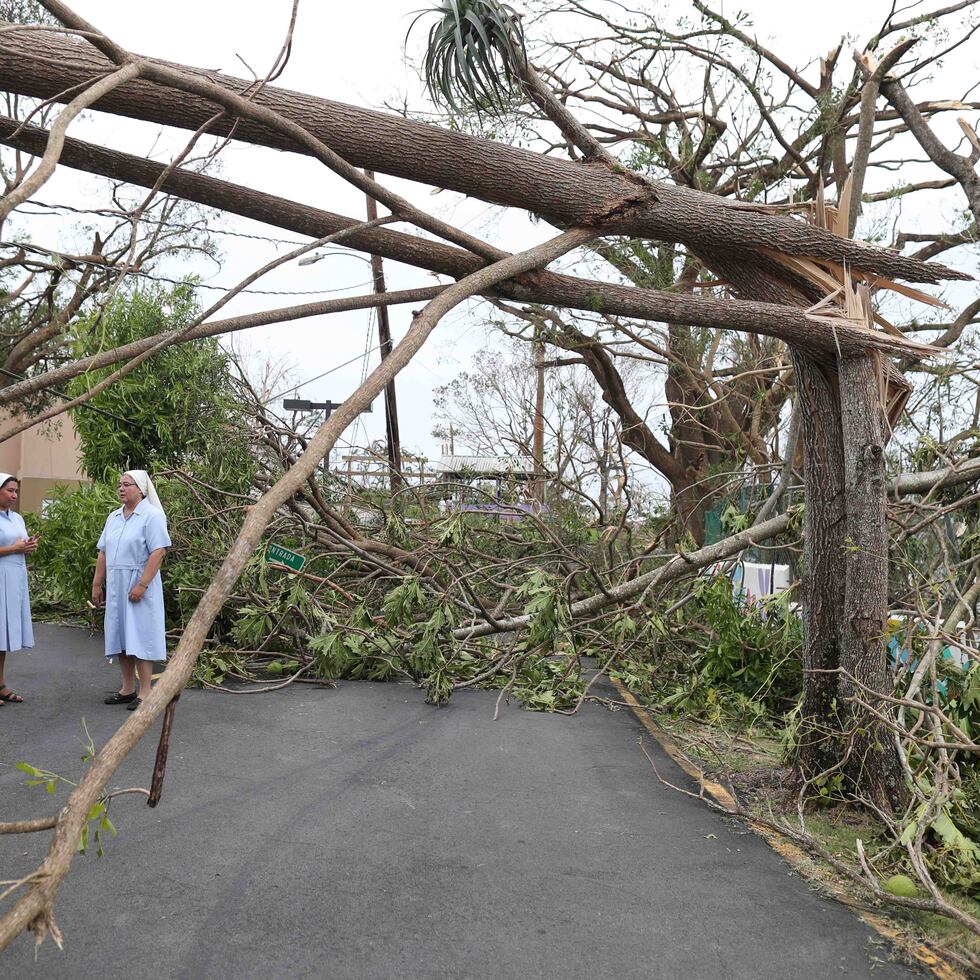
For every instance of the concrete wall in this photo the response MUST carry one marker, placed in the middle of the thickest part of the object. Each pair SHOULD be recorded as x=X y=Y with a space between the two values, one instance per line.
x=9 y=452
x=34 y=492
x=42 y=458
x=51 y=451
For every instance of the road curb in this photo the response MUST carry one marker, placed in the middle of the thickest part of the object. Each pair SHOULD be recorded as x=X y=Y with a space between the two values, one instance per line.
x=789 y=852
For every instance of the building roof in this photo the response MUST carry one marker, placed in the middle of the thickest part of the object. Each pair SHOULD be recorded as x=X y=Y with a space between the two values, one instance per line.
x=489 y=466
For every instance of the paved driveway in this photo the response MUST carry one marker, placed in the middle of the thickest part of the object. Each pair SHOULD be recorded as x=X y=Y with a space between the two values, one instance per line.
x=360 y=832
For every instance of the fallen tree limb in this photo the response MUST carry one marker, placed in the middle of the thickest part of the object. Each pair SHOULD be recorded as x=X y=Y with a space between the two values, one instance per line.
x=674 y=569
x=34 y=909
x=905 y=485
x=821 y=336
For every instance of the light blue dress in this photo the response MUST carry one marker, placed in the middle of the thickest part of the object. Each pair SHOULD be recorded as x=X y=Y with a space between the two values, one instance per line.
x=134 y=628
x=16 y=629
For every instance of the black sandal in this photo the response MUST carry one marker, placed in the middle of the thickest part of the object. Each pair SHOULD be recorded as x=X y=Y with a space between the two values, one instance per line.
x=133 y=705
x=118 y=698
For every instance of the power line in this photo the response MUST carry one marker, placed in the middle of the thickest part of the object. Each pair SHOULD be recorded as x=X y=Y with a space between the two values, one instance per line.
x=81 y=260
x=106 y=213
x=303 y=384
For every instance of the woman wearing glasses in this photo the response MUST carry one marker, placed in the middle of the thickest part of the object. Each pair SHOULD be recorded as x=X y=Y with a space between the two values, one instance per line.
x=127 y=579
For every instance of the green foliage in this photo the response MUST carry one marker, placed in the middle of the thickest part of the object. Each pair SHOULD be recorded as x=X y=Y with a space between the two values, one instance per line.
x=475 y=55
x=548 y=683
x=754 y=650
x=733 y=520
x=717 y=655
x=215 y=666
x=173 y=409
x=62 y=567
x=97 y=819
x=545 y=602
x=350 y=649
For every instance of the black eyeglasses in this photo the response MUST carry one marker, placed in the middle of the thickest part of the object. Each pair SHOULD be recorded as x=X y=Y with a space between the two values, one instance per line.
x=127 y=484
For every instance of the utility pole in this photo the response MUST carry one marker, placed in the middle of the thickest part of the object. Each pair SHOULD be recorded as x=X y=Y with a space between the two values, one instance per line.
x=537 y=443
x=384 y=338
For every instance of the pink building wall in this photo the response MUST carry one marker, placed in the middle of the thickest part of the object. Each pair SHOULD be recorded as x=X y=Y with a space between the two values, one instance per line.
x=42 y=458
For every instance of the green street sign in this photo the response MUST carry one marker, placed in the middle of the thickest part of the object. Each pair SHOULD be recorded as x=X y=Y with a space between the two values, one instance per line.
x=283 y=556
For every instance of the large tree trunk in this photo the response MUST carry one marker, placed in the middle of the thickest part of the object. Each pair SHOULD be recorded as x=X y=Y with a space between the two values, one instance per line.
x=824 y=562
x=842 y=628
x=564 y=192
x=873 y=766
x=806 y=332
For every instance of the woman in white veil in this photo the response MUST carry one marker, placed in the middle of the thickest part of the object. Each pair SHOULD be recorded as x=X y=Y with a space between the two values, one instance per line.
x=127 y=581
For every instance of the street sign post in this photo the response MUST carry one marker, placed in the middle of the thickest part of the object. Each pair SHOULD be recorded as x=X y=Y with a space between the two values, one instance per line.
x=277 y=554
x=305 y=405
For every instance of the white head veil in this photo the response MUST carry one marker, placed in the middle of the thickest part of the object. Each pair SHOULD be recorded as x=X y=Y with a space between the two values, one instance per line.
x=142 y=479
x=4 y=477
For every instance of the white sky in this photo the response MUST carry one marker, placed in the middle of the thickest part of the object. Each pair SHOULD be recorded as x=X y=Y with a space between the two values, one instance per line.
x=355 y=53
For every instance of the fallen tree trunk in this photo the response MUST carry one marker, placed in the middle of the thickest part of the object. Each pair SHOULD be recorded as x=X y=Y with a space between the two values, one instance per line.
x=566 y=193
x=821 y=336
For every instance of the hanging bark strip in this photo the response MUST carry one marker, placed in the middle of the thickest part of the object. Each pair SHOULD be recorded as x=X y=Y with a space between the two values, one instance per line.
x=163 y=748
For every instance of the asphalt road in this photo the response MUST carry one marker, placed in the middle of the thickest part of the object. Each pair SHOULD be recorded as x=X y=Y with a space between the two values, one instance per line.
x=360 y=832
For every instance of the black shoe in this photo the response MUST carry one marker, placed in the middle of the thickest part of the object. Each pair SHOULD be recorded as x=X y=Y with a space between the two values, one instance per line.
x=118 y=698
x=133 y=705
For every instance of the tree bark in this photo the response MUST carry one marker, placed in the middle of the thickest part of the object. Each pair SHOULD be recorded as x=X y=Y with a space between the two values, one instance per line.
x=818 y=336
x=873 y=767
x=565 y=193
x=822 y=600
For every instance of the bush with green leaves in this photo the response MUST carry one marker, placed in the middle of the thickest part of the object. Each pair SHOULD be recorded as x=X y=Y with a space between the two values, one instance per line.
x=176 y=408
x=716 y=653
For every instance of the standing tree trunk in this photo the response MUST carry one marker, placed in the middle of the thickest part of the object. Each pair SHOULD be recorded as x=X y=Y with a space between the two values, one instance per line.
x=823 y=567
x=872 y=766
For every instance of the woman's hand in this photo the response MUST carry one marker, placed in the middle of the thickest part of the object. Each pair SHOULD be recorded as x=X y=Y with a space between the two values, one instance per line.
x=137 y=592
x=23 y=546
x=98 y=594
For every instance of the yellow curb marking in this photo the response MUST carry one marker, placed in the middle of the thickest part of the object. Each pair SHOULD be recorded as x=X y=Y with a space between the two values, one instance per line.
x=788 y=851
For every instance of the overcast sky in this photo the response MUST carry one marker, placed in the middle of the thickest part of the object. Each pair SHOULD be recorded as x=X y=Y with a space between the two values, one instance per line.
x=355 y=52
